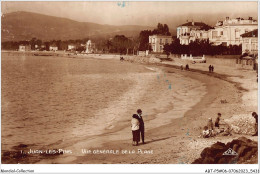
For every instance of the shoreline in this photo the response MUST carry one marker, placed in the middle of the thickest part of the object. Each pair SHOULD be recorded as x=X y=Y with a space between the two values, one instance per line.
x=111 y=134
x=175 y=131
x=216 y=93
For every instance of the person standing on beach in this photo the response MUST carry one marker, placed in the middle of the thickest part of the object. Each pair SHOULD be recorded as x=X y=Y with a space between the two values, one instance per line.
x=209 y=68
x=135 y=129
x=217 y=120
x=212 y=68
x=187 y=67
x=141 y=127
x=210 y=127
x=254 y=114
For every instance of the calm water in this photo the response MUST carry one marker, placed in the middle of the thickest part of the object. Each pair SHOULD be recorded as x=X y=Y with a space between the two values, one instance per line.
x=56 y=102
x=46 y=100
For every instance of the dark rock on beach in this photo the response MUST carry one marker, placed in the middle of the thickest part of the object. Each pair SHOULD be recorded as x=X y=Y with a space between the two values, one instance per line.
x=241 y=150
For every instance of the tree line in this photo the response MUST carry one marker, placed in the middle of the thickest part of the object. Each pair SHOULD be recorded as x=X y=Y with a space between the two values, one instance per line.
x=129 y=45
x=118 y=44
x=162 y=29
x=200 y=47
x=44 y=45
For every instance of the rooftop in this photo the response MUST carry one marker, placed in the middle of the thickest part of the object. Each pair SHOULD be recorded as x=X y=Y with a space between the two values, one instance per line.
x=193 y=24
x=201 y=25
x=237 y=21
x=253 y=33
x=160 y=35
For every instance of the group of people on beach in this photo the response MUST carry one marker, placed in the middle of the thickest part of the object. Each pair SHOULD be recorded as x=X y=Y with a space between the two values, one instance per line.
x=122 y=58
x=211 y=68
x=137 y=127
x=186 y=67
x=209 y=131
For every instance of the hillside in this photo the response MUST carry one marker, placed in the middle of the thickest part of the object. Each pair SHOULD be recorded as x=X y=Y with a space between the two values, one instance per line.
x=25 y=25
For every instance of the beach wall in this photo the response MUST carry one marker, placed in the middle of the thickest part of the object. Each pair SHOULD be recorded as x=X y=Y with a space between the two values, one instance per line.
x=224 y=60
x=142 y=59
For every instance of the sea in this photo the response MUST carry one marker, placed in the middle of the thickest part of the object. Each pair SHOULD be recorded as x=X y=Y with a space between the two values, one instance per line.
x=49 y=101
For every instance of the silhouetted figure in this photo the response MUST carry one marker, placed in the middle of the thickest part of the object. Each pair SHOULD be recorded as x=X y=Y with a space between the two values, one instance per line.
x=217 y=120
x=141 y=126
x=187 y=67
x=212 y=68
x=210 y=127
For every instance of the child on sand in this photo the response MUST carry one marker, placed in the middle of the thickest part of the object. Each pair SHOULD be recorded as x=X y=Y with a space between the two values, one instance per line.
x=205 y=132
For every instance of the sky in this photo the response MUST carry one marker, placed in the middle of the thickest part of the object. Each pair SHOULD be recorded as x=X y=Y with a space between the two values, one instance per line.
x=137 y=13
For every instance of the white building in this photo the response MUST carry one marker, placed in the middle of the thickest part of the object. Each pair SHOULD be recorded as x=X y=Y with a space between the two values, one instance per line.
x=157 y=42
x=198 y=35
x=71 y=47
x=228 y=32
x=191 y=31
x=90 y=47
x=24 y=48
x=250 y=42
x=53 y=48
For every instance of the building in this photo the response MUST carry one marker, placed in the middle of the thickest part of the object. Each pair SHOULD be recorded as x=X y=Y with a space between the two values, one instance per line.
x=71 y=47
x=228 y=32
x=157 y=42
x=43 y=47
x=191 y=31
x=24 y=48
x=53 y=48
x=198 y=35
x=250 y=42
x=90 y=47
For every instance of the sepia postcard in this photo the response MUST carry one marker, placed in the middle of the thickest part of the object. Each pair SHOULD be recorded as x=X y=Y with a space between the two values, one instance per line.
x=129 y=82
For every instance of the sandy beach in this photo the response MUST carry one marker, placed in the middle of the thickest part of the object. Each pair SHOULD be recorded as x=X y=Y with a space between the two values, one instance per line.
x=177 y=141
x=176 y=105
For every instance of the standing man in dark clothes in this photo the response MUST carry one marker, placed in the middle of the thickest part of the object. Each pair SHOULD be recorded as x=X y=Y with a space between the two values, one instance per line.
x=254 y=114
x=187 y=67
x=209 y=68
x=210 y=127
x=217 y=120
x=212 y=68
x=141 y=126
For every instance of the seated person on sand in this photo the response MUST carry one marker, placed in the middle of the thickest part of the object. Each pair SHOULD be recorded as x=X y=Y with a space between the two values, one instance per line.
x=205 y=132
x=222 y=128
x=208 y=130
